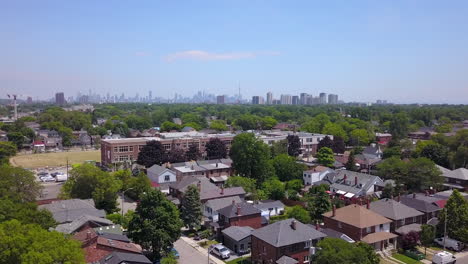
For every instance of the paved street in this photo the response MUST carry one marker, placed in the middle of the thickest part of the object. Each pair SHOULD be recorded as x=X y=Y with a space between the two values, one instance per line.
x=463 y=259
x=188 y=254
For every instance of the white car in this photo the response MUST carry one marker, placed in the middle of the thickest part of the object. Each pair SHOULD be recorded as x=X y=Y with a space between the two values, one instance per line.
x=220 y=251
x=450 y=243
x=47 y=178
x=443 y=257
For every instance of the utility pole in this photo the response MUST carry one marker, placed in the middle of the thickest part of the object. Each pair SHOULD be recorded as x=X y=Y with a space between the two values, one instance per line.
x=445 y=226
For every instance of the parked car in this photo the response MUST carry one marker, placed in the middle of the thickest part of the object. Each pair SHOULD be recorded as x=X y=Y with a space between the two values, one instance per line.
x=444 y=257
x=42 y=174
x=220 y=251
x=47 y=179
x=53 y=174
x=61 y=177
x=450 y=243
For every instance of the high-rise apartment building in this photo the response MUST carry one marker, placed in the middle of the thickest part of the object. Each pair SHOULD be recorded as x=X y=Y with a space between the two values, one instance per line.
x=220 y=99
x=258 y=100
x=295 y=100
x=333 y=99
x=286 y=99
x=303 y=99
x=59 y=98
x=323 y=98
x=269 y=98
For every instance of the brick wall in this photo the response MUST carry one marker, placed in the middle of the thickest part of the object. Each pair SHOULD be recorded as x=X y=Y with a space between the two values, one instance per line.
x=263 y=252
x=351 y=231
x=254 y=221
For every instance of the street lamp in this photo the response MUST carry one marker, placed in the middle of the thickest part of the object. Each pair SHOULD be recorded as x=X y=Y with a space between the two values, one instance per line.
x=123 y=200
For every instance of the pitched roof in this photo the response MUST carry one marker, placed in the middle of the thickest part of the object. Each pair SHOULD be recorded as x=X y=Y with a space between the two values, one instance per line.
x=65 y=211
x=378 y=236
x=216 y=204
x=286 y=260
x=243 y=207
x=265 y=205
x=460 y=173
x=130 y=247
x=338 y=181
x=238 y=232
x=420 y=205
x=393 y=209
x=157 y=170
x=76 y=224
x=333 y=233
x=227 y=192
x=121 y=257
x=357 y=216
x=408 y=228
x=282 y=233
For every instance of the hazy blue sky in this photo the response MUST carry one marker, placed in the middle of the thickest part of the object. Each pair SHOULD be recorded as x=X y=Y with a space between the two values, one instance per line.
x=403 y=51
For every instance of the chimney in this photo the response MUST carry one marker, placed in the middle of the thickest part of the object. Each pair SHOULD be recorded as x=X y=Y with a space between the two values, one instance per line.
x=368 y=204
x=317 y=225
x=222 y=190
x=414 y=195
x=238 y=212
x=199 y=186
x=355 y=180
x=344 y=178
x=334 y=211
x=293 y=224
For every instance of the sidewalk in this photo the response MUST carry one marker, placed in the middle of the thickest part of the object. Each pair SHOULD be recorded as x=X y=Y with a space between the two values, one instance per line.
x=213 y=259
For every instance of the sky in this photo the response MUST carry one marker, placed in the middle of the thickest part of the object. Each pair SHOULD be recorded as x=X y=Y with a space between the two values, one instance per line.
x=404 y=51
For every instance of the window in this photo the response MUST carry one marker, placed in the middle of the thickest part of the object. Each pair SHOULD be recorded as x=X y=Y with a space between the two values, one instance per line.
x=368 y=229
x=123 y=149
x=264 y=249
x=415 y=219
x=402 y=222
x=309 y=139
x=167 y=178
x=295 y=247
x=306 y=258
x=339 y=225
x=308 y=244
x=381 y=226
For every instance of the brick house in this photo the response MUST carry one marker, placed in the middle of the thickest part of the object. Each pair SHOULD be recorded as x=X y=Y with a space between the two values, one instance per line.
x=424 y=204
x=284 y=242
x=240 y=214
x=455 y=178
x=361 y=224
x=400 y=214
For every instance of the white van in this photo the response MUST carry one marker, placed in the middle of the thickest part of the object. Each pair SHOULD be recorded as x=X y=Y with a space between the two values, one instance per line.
x=451 y=244
x=61 y=177
x=444 y=257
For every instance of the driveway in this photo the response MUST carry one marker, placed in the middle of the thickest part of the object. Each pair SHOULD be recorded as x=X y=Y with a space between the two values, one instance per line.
x=191 y=253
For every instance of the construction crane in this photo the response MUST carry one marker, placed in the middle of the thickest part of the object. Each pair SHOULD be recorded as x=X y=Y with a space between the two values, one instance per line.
x=14 y=105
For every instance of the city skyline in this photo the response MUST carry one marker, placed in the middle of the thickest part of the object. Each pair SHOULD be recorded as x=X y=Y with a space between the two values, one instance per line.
x=403 y=51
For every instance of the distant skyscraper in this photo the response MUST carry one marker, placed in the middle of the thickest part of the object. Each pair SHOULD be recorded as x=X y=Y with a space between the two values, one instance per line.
x=303 y=99
x=220 y=99
x=286 y=99
x=59 y=98
x=29 y=100
x=323 y=98
x=333 y=99
x=295 y=100
x=258 y=100
x=150 y=95
x=269 y=98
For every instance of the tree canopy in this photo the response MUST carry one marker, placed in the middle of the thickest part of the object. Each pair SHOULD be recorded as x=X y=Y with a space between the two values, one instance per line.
x=455 y=213
x=152 y=153
x=335 y=250
x=215 y=149
x=191 y=208
x=325 y=157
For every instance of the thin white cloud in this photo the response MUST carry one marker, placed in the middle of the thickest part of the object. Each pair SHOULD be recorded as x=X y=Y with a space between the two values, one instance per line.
x=211 y=56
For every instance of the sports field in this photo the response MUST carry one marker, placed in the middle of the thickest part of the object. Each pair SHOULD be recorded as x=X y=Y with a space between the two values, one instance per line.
x=41 y=160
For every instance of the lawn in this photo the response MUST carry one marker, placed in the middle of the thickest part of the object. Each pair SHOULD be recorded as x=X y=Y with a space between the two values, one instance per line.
x=405 y=259
x=242 y=260
x=57 y=159
x=207 y=243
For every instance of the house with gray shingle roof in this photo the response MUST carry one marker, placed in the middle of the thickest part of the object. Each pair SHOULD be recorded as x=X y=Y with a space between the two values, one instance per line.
x=160 y=175
x=284 y=241
x=239 y=214
x=237 y=238
x=211 y=207
x=401 y=214
x=455 y=178
x=65 y=211
x=82 y=222
x=423 y=203
x=352 y=184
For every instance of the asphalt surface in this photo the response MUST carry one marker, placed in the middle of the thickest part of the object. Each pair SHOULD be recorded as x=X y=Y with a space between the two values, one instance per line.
x=189 y=255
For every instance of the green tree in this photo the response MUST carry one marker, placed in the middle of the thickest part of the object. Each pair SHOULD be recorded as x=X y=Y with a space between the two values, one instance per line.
x=456 y=209
x=294 y=145
x=359 y=137
x=325 y=157
x=218 y=125
x=191 y=208
x=335 y=250
x=326 y=142
x=318 y=204
x=168 y=126
x=17 y=138
x=7 y=150
x=422 y=174
x=124 y=221
x=428 y=235
x=248 y=184
x=18 y=184
x=159 y=117
x=335 y=130
x=137 y=186
x=215 y=149
x=250 y=157
x=399 y=125
x=388 y=191
x=299 y=213
x=351 y=162
x=437 y=153
x=31 y=244
x=274 y=189
x=152 y=153
x=286 y=167
x=268 y=122
x=26 y=213
x=156 y=224
x=392 y=151
x=193 y=153
x=279 y=147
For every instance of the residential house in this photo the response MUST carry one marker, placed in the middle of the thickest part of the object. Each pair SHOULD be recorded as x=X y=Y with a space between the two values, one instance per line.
x=211 y=207
x=81 y=223
x=334 y=234
x=361 y=224
x=315 y=175
x=239 y=214
x=237 y=238
x=427 y=206
x=161 y=177
x=33 y=125
x=284 y=242
x=457 y=179
x=351 y=184
x=269 y=208
x=66 y=211
x=400 y=214
x=81 y=138
x=125 y=258
x=217 y=170
x=383 y=138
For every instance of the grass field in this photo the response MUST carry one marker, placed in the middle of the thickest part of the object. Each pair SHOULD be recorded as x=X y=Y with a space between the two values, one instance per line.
x=405 y=259
x=41 y=160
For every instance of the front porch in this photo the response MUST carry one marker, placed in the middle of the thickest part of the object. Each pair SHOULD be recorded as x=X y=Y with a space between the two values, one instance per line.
x=381 y=240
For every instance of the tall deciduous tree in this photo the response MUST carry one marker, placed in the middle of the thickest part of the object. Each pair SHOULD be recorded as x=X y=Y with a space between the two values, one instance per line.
x=338 y=145
x=399 y=125
x=191 y=208
x=325 y=142
x=279 y=147
x=335 y=250
x=7 y=150
x=18 y=184
x=193 y=153
x=325 y=157
x=176 y=155
x=274 y=189
x=286 y=167
x=156 y=224
x=250 y=157
x=215 y=149
x=456 y=215
x=29 y=243
x=299 y=213
x=319 y=203
x=294 y=145
x=26 y=213
x=351 y=163
x=427 y=236
x=152 y=153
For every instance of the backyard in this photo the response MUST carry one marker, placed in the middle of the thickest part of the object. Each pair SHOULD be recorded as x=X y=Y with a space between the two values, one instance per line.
x=56 y=159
